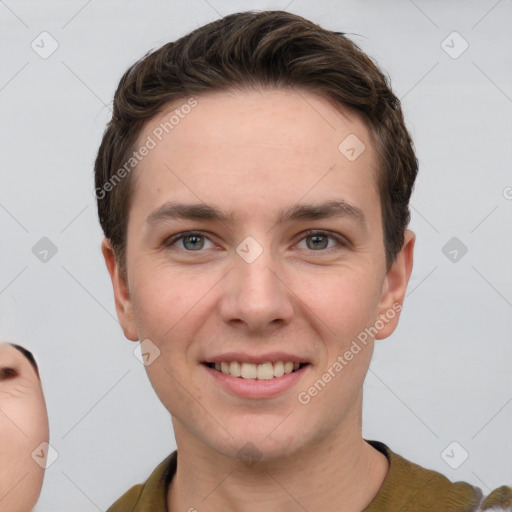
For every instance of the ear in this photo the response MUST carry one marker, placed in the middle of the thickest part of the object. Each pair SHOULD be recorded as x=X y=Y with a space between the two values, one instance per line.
x=395 y=285
x=122 y=298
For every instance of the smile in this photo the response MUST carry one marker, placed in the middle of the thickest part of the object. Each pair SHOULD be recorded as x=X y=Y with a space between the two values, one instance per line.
x=251 y=371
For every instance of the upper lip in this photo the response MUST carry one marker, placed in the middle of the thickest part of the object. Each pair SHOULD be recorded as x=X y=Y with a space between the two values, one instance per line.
x=269 y=357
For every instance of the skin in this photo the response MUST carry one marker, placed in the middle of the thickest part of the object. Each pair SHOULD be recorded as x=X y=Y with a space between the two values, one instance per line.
x=23 y=427
x=252 y=153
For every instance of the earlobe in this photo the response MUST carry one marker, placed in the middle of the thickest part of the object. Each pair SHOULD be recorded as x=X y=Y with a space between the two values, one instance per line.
x=122 y=297
x=395 y=286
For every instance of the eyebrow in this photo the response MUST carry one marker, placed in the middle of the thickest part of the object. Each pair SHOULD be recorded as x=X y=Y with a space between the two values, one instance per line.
x=28 y=355
x=203 y=211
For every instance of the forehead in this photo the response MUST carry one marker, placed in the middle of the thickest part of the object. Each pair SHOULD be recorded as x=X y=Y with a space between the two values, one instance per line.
x=249 y=139
x=232 y=116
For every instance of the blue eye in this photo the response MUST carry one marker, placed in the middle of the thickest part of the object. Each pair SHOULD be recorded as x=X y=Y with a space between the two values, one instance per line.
x=320 y=240
x=192 y=241
x=195 y=241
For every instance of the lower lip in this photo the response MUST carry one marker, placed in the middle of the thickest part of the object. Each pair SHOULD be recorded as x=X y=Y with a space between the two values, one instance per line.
x=254 y=388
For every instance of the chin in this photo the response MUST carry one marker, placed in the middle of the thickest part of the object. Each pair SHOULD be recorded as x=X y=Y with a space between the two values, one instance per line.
x=257 y=448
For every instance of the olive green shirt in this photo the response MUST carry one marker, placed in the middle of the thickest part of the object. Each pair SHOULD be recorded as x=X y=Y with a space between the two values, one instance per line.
x=407 y=488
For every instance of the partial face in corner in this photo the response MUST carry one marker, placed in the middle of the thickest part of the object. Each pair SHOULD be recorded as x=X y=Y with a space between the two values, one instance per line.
x=23 y=427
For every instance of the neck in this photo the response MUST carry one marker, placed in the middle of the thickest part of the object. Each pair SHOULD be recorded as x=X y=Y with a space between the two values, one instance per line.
x=343 y=473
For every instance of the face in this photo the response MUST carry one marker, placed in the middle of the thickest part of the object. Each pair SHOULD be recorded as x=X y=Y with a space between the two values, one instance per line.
x=282 y=262
x=23 y=427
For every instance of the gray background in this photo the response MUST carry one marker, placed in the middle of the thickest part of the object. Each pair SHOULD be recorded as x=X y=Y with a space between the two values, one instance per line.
x=444 y=376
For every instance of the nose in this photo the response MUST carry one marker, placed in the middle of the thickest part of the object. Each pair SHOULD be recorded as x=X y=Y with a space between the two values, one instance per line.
x=255 y=295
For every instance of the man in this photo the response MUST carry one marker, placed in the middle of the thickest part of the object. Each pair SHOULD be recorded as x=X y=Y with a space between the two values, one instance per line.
x=253 y=188
x=23 y=429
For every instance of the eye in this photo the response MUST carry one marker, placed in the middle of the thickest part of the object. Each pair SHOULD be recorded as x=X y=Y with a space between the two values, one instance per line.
x=7 y=373
x=193 y=241
x=190 y=241
x=320 y=240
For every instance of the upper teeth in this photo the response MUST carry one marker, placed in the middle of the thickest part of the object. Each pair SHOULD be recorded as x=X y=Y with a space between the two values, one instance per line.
x=264 y=371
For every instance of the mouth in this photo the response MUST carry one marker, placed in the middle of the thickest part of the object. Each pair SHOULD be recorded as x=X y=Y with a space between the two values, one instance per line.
x=251 y=371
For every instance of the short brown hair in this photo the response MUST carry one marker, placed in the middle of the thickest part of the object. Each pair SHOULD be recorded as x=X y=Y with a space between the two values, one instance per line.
x=254 y=49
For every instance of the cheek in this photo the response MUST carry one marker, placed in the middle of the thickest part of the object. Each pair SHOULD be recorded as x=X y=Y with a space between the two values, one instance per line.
x=165 y=314
x=17 y=445
x=345 y=300
x=39 y=421
x=157 y=305
x=28 y=418
x=167 y=301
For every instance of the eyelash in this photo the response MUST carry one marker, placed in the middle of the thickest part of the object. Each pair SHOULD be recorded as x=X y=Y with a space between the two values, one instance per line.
x=342 y=242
